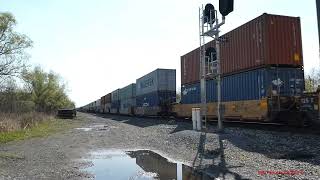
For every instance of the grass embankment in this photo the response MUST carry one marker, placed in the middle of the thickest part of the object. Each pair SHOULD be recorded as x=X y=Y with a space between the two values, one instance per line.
x=42 y=129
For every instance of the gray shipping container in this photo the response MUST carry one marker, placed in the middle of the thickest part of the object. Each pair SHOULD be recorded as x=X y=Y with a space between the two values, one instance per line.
x=98 y=106
x=128 y=92
x=115 y=95
x=157 y=80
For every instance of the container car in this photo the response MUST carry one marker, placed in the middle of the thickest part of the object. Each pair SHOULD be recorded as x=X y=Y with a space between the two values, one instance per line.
x=257 y=94
x=106 y=103
x=115 y=102
x=249 y=85
x=155 y=103
x=268 y=40
x=310 y=107
x=127 y=96
x=155 y=91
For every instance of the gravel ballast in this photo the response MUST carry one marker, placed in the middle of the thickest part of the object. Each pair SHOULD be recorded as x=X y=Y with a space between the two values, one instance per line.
x=237 y=153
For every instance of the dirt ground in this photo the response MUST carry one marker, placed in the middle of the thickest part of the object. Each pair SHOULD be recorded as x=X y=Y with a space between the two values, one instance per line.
x=238 y=153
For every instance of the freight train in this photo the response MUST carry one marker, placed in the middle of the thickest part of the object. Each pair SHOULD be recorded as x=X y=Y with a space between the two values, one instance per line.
x=262 y=79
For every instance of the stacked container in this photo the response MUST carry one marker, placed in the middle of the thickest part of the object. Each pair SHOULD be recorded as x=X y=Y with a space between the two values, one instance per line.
x=259 y=59
x=128 y=99
x=115 y=102
x=106 y=103
x=155 y=91
x=97 y=106
x=107 y=106
x=250 y=85
x=268 y=40
x=94 y=107
x=102 y=100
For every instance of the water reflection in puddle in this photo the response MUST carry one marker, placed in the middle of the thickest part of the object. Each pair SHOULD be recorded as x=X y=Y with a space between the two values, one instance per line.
x=99 y=127
x=84 y=129
x=141 y=164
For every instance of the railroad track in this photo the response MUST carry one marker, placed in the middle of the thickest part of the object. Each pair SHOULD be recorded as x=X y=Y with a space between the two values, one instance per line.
x=269 y=126
x=266 y=126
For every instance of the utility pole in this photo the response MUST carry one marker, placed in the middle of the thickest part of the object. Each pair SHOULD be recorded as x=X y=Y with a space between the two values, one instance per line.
x=209 y=27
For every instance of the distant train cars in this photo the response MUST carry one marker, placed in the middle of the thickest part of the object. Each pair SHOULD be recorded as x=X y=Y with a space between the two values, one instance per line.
x=92 y=107
x=151 y=95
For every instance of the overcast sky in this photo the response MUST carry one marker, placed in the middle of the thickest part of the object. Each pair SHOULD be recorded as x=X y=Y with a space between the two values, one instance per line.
x=98 y=46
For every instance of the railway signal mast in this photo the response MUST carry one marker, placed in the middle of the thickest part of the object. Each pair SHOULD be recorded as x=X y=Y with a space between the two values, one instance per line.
x=210 y=57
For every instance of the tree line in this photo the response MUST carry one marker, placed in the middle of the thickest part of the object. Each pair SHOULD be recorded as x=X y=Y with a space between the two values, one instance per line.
x=312 y=81
x=24 y=88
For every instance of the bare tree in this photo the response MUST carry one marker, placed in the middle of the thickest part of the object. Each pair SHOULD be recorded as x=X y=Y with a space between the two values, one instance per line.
x=312 y=80
x=12 y=47
x=178 y=95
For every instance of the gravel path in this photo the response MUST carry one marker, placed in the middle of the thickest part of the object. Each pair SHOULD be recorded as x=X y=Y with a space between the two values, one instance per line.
x=235 y=154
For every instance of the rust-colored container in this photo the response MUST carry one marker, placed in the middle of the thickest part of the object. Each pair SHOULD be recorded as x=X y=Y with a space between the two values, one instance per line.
x=108 y=98
x=102 y=100
x=268 y=40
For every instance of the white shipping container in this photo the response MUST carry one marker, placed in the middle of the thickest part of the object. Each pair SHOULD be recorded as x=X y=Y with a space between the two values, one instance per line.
x=157 y=80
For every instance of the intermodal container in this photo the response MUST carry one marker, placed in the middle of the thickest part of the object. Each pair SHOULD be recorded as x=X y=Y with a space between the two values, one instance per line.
x=105 y=103
x=115 y=95
x=127 y=106
x=127 y=99
x=106 y=108
x=157 y=80
x=108 y=98
x=157 y=98
x=266 y=40
x=102 y=100
x=115 y=105
x=250 y=85
x=115 y=101
x=127 y=92
x=153 y=103
x=96 y=106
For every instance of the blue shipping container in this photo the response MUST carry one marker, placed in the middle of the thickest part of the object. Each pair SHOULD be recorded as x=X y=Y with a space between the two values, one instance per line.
x=250 y=85
x=128 y=103
x=156 y=98
x=115 y=104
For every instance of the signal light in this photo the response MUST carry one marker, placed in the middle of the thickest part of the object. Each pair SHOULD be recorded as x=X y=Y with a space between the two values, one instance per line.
x=209 y=12
x=211 y=53
x=225 y=7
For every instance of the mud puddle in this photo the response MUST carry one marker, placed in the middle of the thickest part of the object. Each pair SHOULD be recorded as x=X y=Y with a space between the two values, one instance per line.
x=140 y=164
x=98 y=127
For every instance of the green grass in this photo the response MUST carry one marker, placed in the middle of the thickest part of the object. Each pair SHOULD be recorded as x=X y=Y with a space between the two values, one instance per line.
x=41 y=130
x=7 y=155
